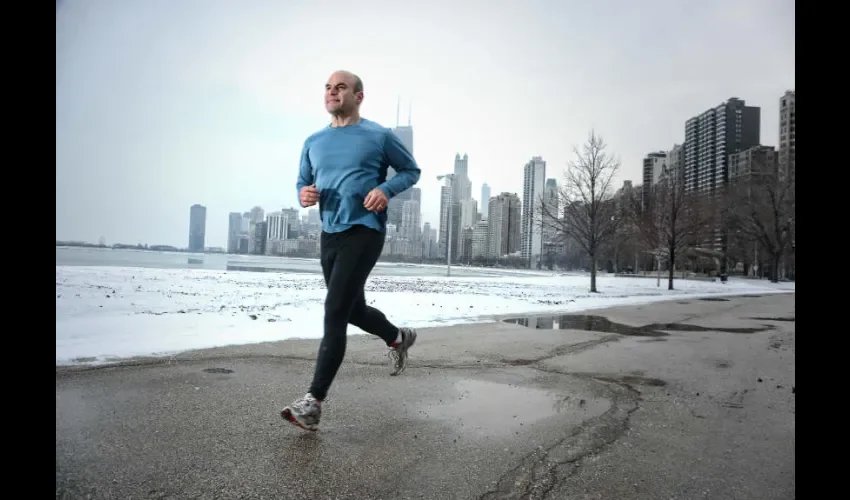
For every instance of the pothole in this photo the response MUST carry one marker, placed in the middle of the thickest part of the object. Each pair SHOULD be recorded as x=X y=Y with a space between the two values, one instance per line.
x=217 y=370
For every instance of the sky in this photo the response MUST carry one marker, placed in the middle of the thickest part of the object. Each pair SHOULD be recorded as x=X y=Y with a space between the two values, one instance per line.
x=164 y=104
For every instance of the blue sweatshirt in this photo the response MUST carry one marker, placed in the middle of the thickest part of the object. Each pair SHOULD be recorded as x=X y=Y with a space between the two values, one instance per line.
x=345 y=163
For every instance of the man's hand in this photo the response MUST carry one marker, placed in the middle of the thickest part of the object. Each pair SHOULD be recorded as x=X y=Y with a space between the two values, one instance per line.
x=309 y=196
x=376 y=201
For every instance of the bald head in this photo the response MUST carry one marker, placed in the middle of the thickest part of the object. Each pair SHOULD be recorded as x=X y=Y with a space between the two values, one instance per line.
x=354 y=80
x=343 y=93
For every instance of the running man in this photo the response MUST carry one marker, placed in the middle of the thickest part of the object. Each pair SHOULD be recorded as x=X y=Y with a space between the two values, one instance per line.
x=344 y=170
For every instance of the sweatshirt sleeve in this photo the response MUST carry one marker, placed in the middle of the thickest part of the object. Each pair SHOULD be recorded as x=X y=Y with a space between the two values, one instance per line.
x=305 y=171
x=407 y=171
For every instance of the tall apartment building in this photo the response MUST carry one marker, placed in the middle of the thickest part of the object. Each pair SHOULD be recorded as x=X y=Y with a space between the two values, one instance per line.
x=257 y=215
x=676 y=163
x=653 y=166
x=711 y=137
x=468 y=213
x=457 y=233
x=461 y=185
x=465 y=247
x=534 y=177
x=428 y=244
x=503 y=225
x=755 y=159
x=395 y=208
x=445 y=202
x=260 y=238
x=234 y=228
x=411 y=217
x=479 y=239
x=485 y=199
x=197 y=227
x=787 y=133
x=430 y=248
x=552 y=200
x=277 y=224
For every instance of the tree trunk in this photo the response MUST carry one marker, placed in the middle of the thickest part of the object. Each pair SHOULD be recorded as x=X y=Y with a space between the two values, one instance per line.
x=774 y=275
x=592 y=273
x=616 y=270
x=672 y=267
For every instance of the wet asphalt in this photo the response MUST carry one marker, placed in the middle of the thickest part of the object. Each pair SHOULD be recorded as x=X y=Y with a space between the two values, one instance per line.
x=483 y=411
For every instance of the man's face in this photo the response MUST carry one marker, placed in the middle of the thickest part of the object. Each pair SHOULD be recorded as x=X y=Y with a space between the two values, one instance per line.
x=340 y=97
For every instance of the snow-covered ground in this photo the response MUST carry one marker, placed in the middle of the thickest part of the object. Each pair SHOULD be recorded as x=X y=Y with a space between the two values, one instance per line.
x=107 y=313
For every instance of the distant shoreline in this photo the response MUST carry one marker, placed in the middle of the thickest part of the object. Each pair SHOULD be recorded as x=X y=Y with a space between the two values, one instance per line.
x=145 y=247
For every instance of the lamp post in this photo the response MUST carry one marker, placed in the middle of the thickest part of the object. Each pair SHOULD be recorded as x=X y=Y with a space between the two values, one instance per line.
x=450 y=178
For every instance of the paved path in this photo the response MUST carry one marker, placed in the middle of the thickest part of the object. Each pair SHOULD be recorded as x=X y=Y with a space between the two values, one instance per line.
x=484 y=411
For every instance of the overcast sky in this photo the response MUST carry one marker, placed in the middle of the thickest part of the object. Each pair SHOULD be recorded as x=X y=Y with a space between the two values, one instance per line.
x=163 y=104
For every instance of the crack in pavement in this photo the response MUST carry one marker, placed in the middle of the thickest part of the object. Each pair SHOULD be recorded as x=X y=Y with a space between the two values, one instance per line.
x=545 y=468
x=563 y=350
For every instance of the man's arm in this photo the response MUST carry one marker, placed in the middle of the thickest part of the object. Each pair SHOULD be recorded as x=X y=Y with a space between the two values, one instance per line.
x=305 y=171
x=407 y=171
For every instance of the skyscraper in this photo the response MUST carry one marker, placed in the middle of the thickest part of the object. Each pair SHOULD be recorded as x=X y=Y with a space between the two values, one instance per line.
x=479 y=239
x=461 y=186
x=712 y=136
x=551 y=226
x=461 y=192
x=197 y=227
x=653 y=165
x=788 y=133
x=485 y=199
x=468 y=213
x=395 y=207
x=411 y=220
x=503 y=225
x=234 y=227
x=532 y=196
x=277 y=231
x=676 y=163
x=257 y=215
x=445 y=202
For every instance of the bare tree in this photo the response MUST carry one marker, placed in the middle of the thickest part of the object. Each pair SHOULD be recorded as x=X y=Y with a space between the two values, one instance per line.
x=761 y=207
x=671 y=221
x=586 y=197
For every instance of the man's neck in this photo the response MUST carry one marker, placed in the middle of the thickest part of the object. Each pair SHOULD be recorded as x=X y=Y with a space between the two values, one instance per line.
x=345 y=120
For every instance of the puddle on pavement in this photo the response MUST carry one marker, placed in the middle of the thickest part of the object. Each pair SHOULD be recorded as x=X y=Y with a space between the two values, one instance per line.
x=491 y=408
x=792 y=318
x=604 y=325
x=714 y=299
x=581 y=322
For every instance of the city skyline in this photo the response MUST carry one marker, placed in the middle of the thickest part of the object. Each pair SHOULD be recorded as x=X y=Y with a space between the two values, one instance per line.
x=744 y=134
x=192 y=110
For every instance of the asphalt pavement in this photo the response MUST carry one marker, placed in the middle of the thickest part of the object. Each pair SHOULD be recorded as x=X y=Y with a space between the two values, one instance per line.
x=699 y=405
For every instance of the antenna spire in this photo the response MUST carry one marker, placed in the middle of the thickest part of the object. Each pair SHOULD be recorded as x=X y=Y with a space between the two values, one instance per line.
x=409 y=111
x=397 y=108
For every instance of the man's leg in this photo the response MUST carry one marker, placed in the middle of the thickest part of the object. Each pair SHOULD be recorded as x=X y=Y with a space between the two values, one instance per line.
x=306 y=411
x=371 y=320
x=354 y=254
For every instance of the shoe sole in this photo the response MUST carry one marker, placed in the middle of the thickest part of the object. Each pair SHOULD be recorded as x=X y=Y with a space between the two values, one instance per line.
x=289 y=417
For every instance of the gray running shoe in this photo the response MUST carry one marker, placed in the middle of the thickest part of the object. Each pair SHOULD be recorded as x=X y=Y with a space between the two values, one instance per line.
x=398 y=354
x=305 y=412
